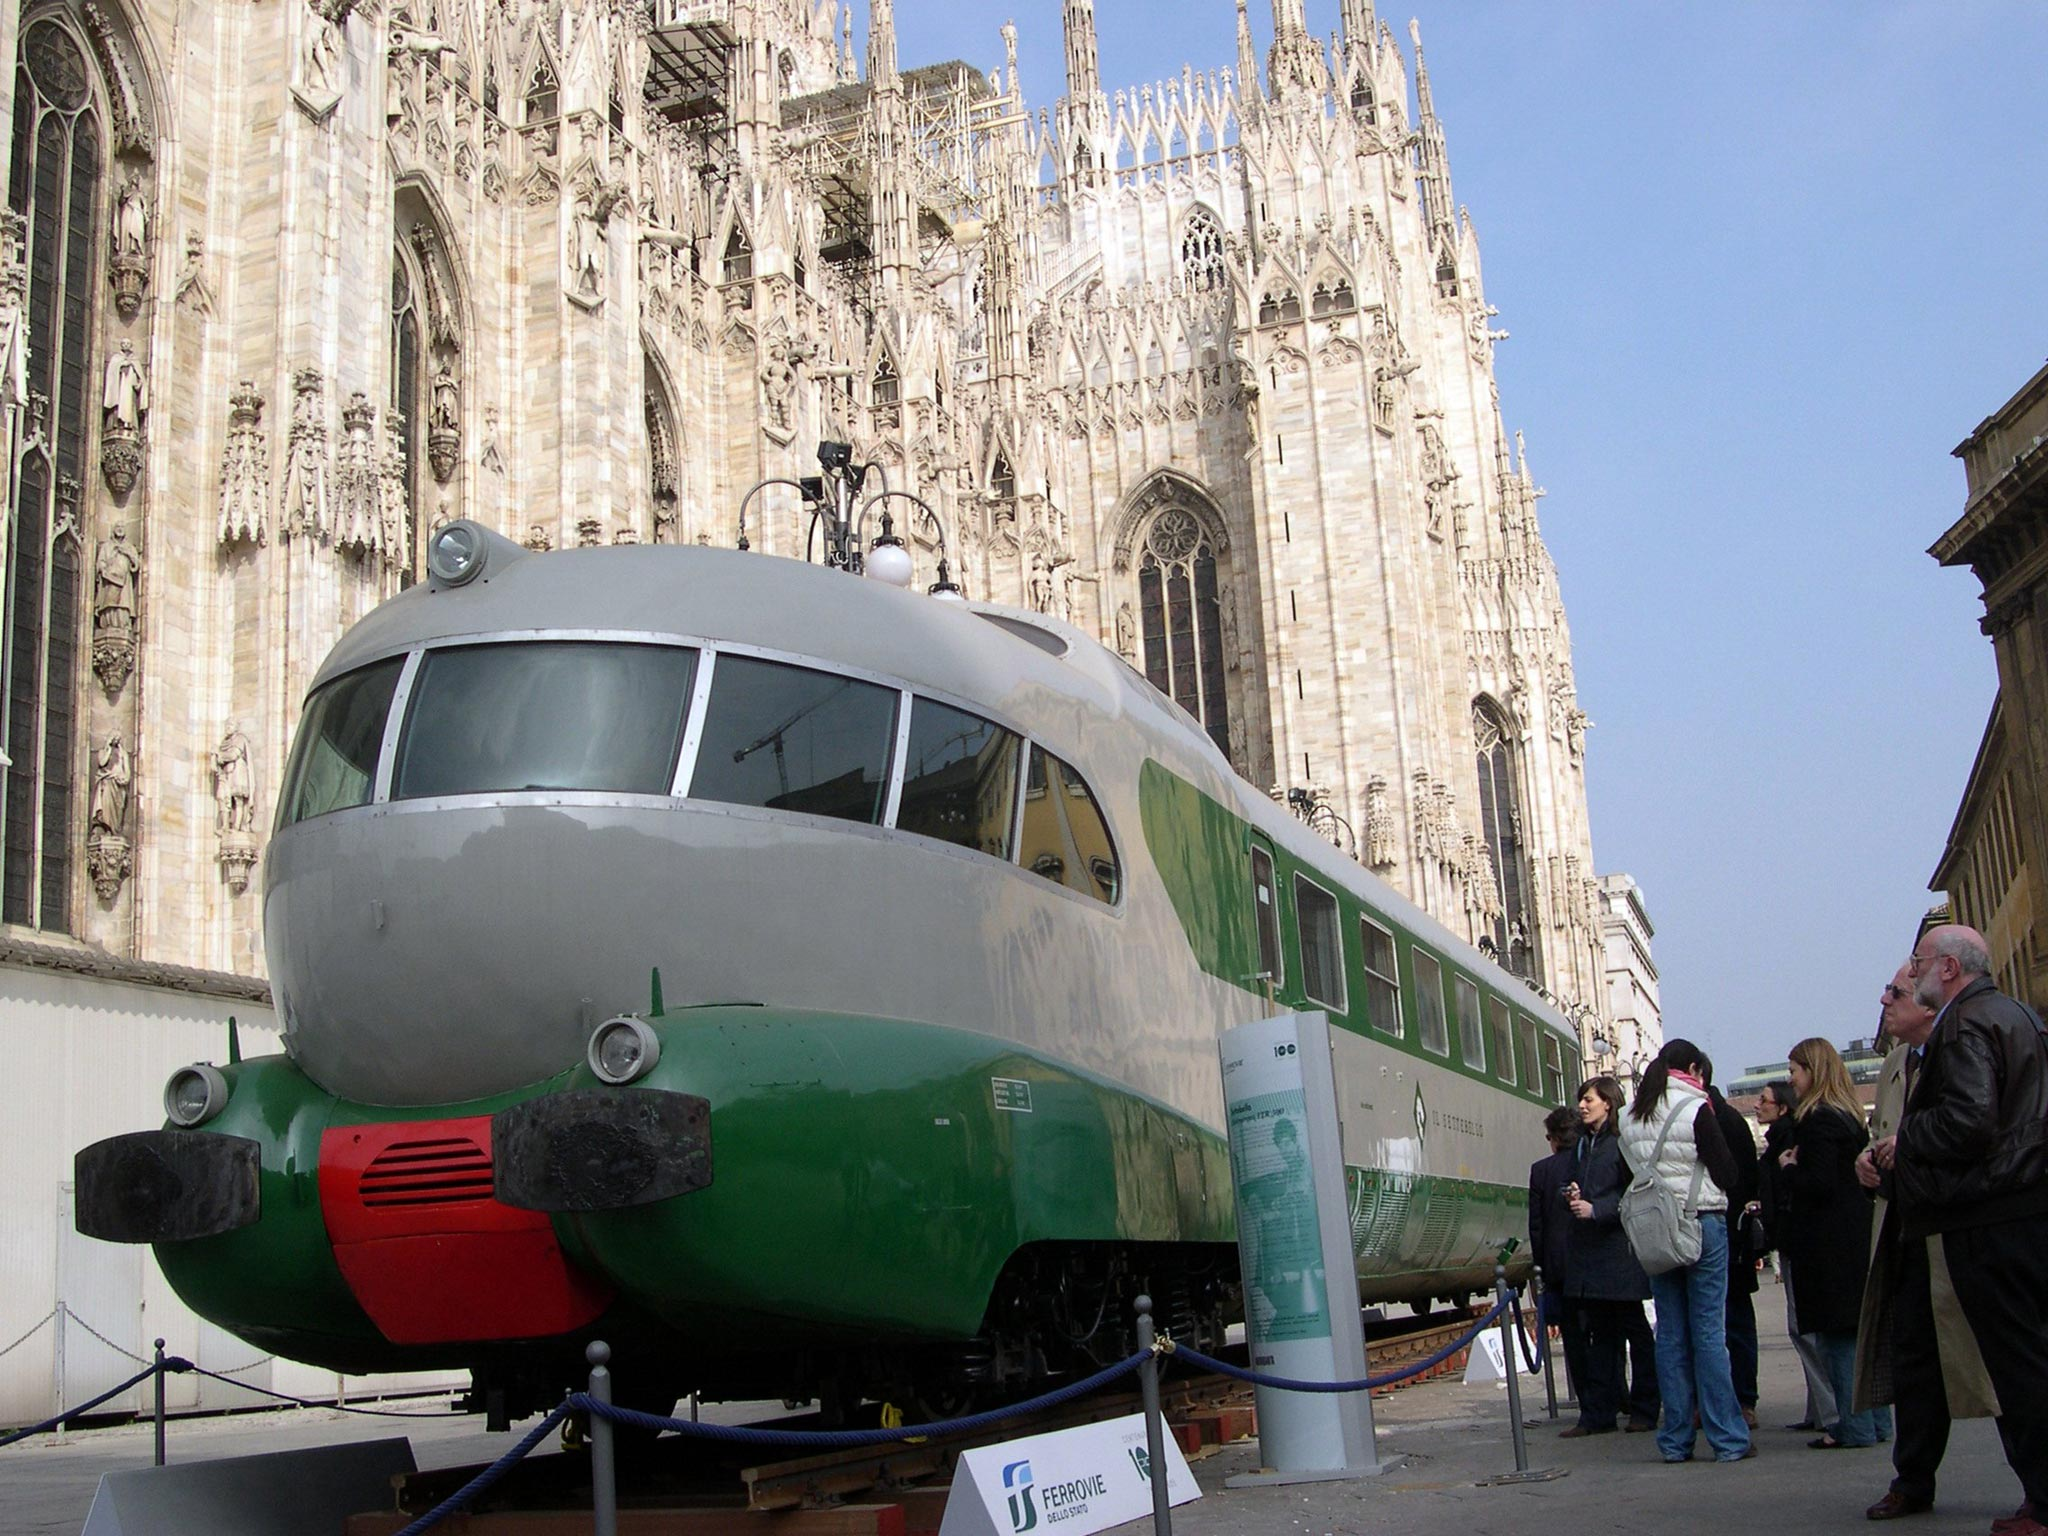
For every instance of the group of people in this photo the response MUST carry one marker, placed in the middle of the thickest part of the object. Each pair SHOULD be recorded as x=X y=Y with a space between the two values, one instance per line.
x=1907 y=1245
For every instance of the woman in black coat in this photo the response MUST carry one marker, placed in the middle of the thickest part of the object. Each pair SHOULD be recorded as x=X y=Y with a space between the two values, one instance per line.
x=1602 y=1278
x=1824 y=1226
x=1774 y=1111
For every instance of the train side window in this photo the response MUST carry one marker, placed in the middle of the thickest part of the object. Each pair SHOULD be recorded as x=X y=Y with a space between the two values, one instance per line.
x=574 y=715
x=1503 y=1040
x=1322 y=944
x=1382 y=978
x=1066 y=837
x=1471 y=1028
x=1574 y=1074
x=959 y=779
x=1532 y=1071
x=1266 y=913
x=1430 y=1026
x=795 y=739
x=334 y=758
x=1553 y=1069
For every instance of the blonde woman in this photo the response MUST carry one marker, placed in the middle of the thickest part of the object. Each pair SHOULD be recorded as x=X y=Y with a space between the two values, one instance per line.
x=1824 y=1220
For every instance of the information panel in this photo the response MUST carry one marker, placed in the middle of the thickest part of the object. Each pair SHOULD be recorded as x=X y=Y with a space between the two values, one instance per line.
x=1294 y=1245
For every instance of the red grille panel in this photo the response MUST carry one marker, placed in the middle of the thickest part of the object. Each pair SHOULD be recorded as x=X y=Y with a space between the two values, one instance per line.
x=428 y=1251
x=443 y=1171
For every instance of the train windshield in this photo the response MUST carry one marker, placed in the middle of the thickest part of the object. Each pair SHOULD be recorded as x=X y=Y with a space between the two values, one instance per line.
x=794 y=739
x=334 y=759
x=572 y=715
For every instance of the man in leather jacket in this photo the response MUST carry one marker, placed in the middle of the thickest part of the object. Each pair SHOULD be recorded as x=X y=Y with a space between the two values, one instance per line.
x=1970 y=1161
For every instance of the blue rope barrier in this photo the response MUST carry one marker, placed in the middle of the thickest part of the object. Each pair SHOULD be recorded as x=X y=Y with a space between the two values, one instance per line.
x=1288 y=1384
x=171 y=1363
x=841 y=1439
x=1529 y=1355
x=468 y=1492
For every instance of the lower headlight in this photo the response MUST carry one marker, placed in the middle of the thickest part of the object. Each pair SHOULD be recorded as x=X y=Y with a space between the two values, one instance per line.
x=623 y=1049
x=194 y=1095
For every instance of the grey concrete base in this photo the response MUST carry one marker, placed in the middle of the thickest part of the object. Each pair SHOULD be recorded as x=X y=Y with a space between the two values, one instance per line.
x=286 y=1493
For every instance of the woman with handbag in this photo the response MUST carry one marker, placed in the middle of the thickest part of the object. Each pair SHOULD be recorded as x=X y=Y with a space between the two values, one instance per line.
x=1672 y=1139
x=1825 y=1230
x=1774 y=1112
x=1605 y=1284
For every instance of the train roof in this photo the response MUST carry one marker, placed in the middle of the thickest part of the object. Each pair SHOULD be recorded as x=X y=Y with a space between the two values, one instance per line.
x=1022 y=662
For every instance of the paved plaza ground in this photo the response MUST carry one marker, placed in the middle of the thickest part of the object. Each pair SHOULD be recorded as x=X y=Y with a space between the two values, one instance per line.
x=1440 y=1439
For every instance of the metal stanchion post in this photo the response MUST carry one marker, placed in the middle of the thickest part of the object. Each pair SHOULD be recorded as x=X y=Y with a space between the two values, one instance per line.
x=159 y=1402
x=604 y=1492
x=1543 y=1343
x=1511 y=1362
x=1155 y=1427
x=1511 y=1359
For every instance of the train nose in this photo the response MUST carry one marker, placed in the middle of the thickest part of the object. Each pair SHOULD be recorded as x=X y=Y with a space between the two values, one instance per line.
x=601 y=1149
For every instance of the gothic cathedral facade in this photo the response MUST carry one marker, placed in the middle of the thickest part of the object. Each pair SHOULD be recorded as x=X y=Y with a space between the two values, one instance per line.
x=1204 y=367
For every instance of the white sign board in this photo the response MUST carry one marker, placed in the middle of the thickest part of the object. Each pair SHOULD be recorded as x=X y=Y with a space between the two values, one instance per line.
x=1485 y=1360
x=1072 y=1481
x=1294 y=1245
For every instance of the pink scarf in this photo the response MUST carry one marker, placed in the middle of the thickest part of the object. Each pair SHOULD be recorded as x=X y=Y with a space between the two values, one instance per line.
x=1687 y=1077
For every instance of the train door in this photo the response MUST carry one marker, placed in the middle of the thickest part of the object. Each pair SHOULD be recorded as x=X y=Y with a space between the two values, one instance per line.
x=1265 y=888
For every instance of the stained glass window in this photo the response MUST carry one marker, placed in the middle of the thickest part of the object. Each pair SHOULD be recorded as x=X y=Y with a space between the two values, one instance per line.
x=1182 y=619
x=1500 y=813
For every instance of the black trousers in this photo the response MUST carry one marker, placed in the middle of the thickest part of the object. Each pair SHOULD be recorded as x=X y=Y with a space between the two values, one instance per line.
x=1919 y=1400
x=1645 y=1399
x=1607 y=1331
x=1997 y=1275
x=1741 y=1324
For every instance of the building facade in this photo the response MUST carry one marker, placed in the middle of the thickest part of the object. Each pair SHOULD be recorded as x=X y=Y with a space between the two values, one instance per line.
x=1634 y=1028
x=1994 y=868
x=1204 y=366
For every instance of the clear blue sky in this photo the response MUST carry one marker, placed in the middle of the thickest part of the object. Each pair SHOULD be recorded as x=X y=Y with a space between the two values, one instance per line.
x=1765 y=265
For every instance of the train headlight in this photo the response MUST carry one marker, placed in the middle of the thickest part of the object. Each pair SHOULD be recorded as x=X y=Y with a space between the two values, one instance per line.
x=194 y=1095
x=623 y=1049
x=455 y=554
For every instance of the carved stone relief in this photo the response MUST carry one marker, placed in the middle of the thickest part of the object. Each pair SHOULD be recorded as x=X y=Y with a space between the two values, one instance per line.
x=108 y=857
x=125 y=403
x=305 y=511
x=234 y=808
x=245 y=469
x=116 y=580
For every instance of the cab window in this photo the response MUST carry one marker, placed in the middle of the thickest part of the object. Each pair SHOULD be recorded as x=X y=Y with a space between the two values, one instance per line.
x=1429 y=1004
x=959 y=779
x=1065 y=836
x=334 y=758
x=572 y=715
x=795 y=739
x=1322 y=944
x=1553 y=1069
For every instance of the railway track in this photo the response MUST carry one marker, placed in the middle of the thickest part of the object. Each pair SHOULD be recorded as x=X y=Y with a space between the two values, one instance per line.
x=707 y=1488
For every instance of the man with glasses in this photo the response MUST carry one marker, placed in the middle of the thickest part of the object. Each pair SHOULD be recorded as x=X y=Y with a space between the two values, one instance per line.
x=1969 y=1164
x=1914 y=1348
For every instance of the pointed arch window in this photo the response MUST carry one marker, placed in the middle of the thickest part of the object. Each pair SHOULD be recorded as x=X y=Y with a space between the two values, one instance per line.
x=54 y=184
x=884 y=388
x=407 y=381
x=543 y=92
x=1500 y=814
x=1182 y=619
x=739 y=255
x=1002 y=480
x=1201 y=251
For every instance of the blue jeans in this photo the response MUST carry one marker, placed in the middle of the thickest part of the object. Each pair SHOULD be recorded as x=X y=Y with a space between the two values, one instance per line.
x=1838 y=1354
x=1692 y=1351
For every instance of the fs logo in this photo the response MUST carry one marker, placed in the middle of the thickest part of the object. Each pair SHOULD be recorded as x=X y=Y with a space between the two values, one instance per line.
x=1141 y=1458
x=1017 y=1483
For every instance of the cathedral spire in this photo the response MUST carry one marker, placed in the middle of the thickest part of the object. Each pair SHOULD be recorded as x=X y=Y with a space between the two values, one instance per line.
x=1084 y=75
x=1295 y=66
x=1247 y=61
x=849 y=68
x=1359 y=23
x=882 y=74
x=1434 y=165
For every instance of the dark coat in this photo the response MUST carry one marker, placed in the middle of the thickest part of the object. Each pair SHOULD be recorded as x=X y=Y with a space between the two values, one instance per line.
x=1770 y=1181
x=1824 y=1221
x=1599 y=1265
x=1742 y=1147
x=1549 y=1216
x=1973 y=1145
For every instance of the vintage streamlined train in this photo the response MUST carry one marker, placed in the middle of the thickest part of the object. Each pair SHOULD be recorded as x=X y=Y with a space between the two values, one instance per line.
x=807 y=985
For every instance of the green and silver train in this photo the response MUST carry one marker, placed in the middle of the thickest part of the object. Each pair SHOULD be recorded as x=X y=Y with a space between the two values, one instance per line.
x=809 y=986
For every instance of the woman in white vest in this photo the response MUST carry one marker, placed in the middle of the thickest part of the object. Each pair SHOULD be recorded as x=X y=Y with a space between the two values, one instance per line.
x=1671 y=1130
